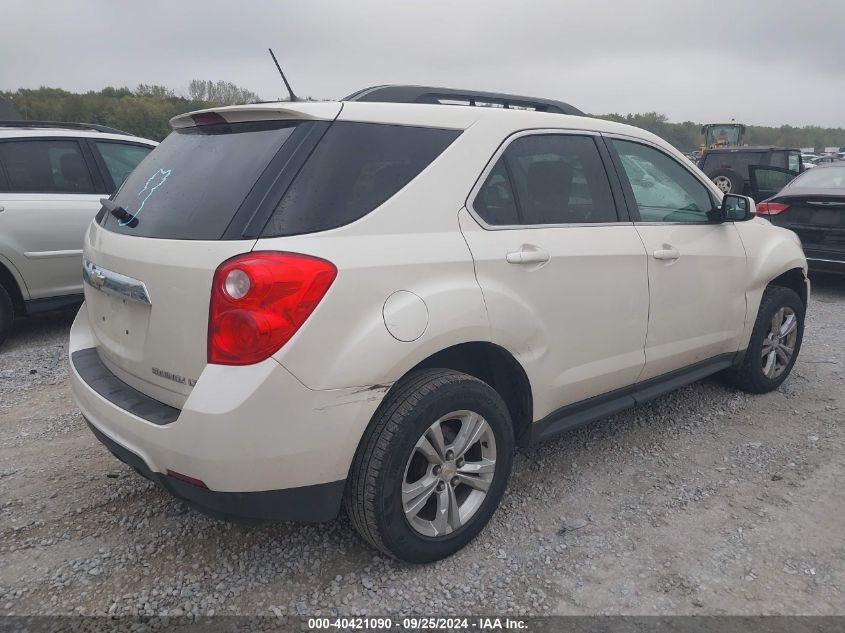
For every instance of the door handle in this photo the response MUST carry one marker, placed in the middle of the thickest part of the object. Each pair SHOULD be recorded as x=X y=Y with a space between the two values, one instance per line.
x=527 y=254
x=2 y=208
x=667 y=253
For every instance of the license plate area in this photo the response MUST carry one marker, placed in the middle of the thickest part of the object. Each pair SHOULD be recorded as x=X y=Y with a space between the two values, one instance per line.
x=121 y=324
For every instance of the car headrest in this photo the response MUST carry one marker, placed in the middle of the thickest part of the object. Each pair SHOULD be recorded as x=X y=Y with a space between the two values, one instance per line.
x=550 y=179
x=74 y=171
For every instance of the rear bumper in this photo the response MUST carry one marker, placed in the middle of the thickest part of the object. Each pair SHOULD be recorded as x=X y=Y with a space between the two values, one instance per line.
x=265 y=446
x=320 y=502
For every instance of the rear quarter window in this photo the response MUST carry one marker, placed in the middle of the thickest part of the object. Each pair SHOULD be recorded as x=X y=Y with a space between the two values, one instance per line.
x=354 y=169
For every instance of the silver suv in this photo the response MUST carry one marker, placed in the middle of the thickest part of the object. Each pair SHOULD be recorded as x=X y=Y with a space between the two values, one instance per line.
x=52 y=176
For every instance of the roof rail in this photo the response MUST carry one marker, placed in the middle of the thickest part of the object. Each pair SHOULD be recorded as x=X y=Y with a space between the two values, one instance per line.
x=68 y=126
x=451 y=96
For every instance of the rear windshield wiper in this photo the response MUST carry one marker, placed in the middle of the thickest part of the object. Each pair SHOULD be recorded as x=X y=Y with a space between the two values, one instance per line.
x=123 y=216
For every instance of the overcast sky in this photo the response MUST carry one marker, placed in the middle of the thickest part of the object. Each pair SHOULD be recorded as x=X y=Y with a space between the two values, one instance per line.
x=764 y=62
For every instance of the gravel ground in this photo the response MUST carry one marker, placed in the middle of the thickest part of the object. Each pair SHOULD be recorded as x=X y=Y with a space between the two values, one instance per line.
x=707 y=501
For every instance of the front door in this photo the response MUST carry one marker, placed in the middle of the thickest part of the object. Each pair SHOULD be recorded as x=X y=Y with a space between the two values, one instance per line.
x=696 y=264
x=563 y=276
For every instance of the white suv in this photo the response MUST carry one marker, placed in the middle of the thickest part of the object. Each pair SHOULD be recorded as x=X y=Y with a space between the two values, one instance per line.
x=52 y=176
x=294 y=307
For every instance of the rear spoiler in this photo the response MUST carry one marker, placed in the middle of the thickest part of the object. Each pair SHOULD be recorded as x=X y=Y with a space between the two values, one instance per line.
x=280 y=111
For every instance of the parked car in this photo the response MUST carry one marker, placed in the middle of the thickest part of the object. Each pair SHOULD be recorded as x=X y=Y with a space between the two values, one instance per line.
x=812 y=205
x=826 y=160
x=728 y=167
x=52 y=176
x=294 y=306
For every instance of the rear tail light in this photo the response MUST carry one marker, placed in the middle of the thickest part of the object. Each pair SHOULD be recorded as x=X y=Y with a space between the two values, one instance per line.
x=771 y=208
x=258 y=302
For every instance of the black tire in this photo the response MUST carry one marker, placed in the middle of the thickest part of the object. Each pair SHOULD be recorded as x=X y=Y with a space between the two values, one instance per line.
x=748 y=375
x=737 y=182
x=373 y=496
x=7 y=314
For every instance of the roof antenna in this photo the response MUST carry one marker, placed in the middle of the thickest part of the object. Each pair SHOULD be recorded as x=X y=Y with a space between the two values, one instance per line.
x=293 y=97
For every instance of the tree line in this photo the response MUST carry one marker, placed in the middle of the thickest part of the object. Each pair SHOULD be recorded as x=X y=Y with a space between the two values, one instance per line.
x=687 y=136
x=146 y=110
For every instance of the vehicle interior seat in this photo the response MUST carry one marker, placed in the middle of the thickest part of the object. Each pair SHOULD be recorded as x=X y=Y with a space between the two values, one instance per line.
x=549 y=186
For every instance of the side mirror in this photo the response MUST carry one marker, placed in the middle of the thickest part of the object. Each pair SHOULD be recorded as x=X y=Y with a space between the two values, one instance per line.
x=736 y=208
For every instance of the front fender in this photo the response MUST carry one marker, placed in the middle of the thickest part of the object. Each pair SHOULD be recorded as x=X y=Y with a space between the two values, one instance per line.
x=771 y=251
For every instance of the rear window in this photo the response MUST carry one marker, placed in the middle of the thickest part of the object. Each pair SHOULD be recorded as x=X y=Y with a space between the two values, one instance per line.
x=737 y=161
x=191 y=186
x=355 y=168
x=824 y=178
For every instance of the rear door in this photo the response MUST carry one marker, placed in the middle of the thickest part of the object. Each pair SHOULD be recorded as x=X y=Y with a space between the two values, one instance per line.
x=562 y=272
x=696 y=265
x=53 y=194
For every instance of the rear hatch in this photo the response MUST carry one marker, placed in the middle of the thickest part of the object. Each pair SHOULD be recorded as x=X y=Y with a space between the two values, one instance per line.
x=818 y=219
x=198 y=199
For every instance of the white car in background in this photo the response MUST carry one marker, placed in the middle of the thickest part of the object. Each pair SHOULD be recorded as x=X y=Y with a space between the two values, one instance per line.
x=294 y=307
x=52 y=176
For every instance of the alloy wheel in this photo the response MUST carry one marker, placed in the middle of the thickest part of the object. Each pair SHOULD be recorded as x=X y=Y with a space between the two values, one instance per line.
x=449 y=473
x=779 y=344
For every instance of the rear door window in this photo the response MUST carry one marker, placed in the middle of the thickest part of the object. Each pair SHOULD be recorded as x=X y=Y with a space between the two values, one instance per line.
x=547 y=179
x=45 y=166
x=121 y=158
x=354 y=169
x=495 y=202
x=193 y=183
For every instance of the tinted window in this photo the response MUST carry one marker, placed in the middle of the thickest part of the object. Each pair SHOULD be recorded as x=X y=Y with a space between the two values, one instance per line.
x=664 y=190
x=192 y=184
x=770 y=180
x=121 y=159
x=738 y=161
x=48 y=166
x=558 y=179
x=354 y=169
x=495 y=201
x=777 y=159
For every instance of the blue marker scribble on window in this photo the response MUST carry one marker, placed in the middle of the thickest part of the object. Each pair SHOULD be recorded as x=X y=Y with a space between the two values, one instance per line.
x=162 y=175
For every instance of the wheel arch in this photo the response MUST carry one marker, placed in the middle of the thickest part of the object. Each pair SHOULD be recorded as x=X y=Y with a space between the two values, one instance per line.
x=795 y=280
x=495 y=366
x=10 y=283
